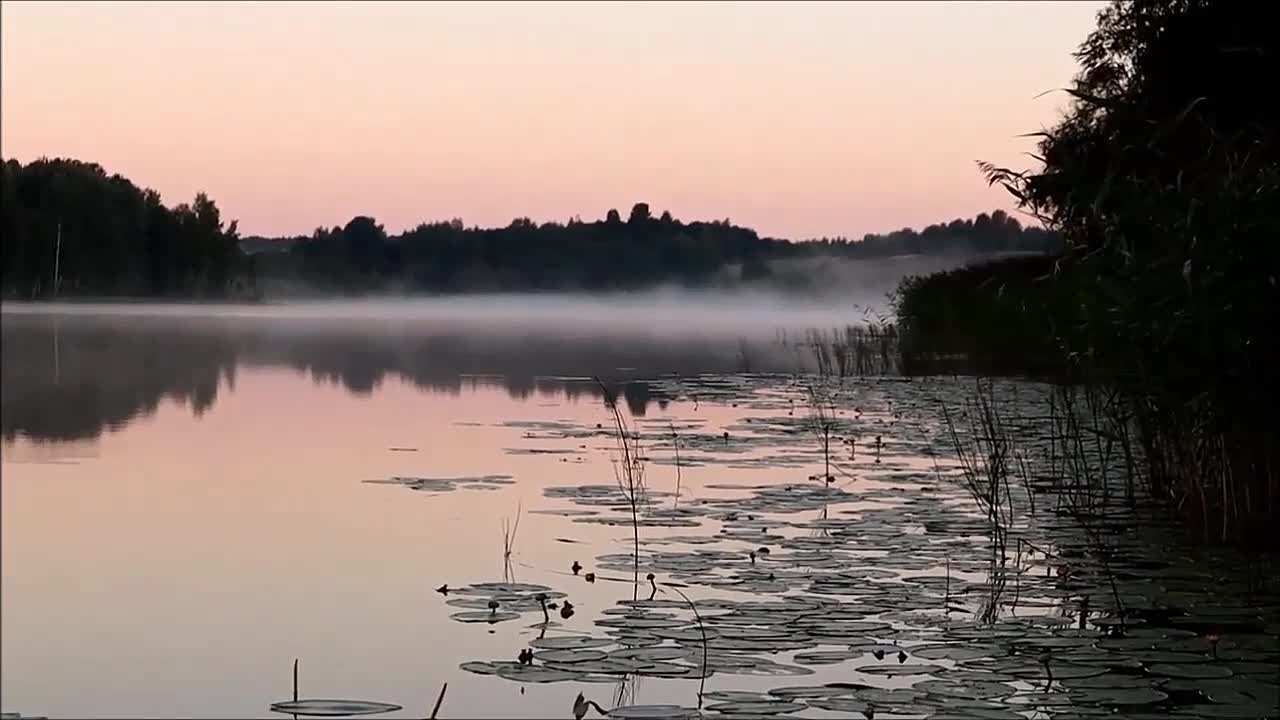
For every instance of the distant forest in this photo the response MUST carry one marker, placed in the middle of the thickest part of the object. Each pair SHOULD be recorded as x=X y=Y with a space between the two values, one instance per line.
x=67 y=223
x=67 y=228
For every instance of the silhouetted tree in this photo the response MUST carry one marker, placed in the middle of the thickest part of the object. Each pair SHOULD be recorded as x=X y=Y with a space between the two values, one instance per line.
x=639 y=214
x=115 y=238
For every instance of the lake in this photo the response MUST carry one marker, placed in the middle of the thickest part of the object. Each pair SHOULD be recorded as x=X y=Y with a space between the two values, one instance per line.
x=391 y=493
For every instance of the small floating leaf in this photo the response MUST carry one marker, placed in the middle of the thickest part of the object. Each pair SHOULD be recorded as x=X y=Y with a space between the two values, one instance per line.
x=1204 y=671
x=768 y=707
x=1118 y=696
x=534 y=674
x=576 y=655
x=570 y=642
x=654 y=712
x=332 y=708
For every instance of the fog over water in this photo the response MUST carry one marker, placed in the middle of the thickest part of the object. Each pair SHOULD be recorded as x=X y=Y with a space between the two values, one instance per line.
x=662 y=313
x=803 y=294
x=74 y=369
x=198 y=495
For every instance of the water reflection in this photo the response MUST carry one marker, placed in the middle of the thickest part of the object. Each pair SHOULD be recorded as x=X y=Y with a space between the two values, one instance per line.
x=69 y=377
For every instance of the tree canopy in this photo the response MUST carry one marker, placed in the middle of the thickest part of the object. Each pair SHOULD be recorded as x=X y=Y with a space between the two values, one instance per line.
x=69 y=228
x=103 y=236
x=607 y=254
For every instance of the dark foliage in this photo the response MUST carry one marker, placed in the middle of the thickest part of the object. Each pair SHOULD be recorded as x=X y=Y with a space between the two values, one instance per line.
x=448 y=257
x=68 y=228
x=1164 y=180
x=119 y=240
x=608 y=254
x=989 y=318
x=985 y=234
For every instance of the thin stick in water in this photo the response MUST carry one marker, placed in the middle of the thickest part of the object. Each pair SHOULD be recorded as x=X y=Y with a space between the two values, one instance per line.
x=946 y=602
x=675 y=440
x=439 y=700
x=702 y=685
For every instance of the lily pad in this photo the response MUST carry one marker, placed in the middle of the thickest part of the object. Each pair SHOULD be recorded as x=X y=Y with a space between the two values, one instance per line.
x=896 y=669
x=769 y=707
x=734 y=696
x=534 y=674
x=570 y=642
x=811 y=691
x=481 y=616
x=1203 y=671
x=955 y=652
x=332 y=708
x=1252 y=712
x=971 y=690
x=839 y=704
x=826 y=657
x=1060 y=671
x=575 y=655
x=653 y=654
x=1118 y=696
x=654 y=712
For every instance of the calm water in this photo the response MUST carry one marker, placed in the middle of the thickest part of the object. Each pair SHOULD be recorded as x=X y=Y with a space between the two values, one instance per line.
x=190 y=502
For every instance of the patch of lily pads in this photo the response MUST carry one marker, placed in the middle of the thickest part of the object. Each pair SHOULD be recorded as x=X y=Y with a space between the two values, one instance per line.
x=883 y=573
x=448 y=484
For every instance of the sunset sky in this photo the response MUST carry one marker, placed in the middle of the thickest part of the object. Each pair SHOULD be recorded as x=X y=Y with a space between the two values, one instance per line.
x=799 y=120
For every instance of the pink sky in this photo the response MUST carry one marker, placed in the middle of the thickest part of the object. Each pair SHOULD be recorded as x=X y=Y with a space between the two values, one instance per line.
x=799 y=120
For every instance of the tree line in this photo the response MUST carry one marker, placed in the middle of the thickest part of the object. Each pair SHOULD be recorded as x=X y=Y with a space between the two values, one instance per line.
x=997 y=232
x=68 y=228
x=606 y=254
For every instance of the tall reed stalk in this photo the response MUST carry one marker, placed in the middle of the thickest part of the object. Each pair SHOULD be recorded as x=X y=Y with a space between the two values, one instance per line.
x=629 y=474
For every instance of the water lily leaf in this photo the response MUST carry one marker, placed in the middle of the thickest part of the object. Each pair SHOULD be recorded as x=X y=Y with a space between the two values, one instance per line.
x=570 y=642
x=1186 y=670
x=896 y=669
x=838 y=704
x=569 y=656
x=482 y=616
x=654 y=712
x=972 y=690
x=1254 y=712
x=734 y=696
x=653 y=654
x=955 y=652
x=1118 y=696
x=332 y=708
x=811 y=691
x=534 y=673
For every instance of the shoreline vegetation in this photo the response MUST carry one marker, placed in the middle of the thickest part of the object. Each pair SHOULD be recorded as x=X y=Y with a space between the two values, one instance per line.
x=69 y=230
x=1159 y=316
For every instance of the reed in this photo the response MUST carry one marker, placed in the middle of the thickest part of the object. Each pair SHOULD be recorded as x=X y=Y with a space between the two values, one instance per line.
x=509 y=530
x=629 y=471
x=439 y=700
x=702 y=630
x=675 y=444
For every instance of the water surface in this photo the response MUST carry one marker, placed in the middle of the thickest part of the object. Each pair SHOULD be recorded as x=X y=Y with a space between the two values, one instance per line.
x=193 y=500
